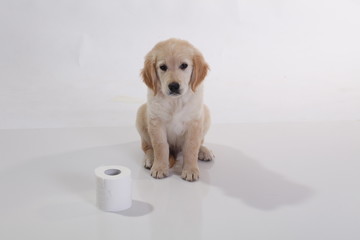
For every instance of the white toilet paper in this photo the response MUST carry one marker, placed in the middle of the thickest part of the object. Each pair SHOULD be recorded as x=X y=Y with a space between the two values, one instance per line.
x=113 y=188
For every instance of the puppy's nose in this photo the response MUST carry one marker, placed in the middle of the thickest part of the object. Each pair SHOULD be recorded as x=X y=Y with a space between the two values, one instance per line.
x=174 y=87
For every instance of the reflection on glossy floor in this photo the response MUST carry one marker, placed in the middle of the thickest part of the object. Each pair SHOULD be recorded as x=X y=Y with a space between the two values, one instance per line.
x=268 y=181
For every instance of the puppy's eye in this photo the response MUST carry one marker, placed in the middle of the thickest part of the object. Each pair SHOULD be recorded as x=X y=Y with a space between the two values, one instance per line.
x=163 y=67
x=183 y=66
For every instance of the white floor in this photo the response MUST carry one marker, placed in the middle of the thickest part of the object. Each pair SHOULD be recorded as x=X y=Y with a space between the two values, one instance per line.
x=269 y=181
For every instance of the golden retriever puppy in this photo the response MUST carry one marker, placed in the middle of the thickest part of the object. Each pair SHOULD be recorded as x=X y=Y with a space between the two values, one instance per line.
x=174 y=120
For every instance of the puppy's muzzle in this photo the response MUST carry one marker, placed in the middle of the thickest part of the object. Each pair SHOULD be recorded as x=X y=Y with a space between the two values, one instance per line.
x=174 y=88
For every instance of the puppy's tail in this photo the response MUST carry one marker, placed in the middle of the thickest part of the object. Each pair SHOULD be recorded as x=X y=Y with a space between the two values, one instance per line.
x=172 y=160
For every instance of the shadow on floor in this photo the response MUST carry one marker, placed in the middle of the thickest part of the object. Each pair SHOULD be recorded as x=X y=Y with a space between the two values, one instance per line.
x=244 y=178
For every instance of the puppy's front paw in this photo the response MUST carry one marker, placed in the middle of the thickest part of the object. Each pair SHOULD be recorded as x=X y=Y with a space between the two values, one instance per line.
x=159 y=172
x=190 y=175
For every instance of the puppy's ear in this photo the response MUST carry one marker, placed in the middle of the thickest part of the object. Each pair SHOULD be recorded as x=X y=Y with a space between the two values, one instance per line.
x=148 y=73
x=200 y=69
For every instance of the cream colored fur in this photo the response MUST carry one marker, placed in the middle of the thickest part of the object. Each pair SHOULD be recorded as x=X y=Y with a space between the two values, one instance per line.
x=174 y=122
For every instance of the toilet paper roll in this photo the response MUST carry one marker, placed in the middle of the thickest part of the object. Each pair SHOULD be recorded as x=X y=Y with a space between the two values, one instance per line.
x=113 y=188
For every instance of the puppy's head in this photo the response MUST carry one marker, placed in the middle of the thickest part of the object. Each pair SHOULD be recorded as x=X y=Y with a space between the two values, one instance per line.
x=173 y=67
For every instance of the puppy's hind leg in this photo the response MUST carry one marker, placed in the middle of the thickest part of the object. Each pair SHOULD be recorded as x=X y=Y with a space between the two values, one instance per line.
x=141 y=125
x=149 y=155
x=205 y=154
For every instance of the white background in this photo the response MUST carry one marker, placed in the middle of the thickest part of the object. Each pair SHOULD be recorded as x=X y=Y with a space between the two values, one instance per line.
x=283 y=75
x=76 y=62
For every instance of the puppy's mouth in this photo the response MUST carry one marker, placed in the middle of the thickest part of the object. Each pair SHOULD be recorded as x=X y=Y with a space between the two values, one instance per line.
x=174 y=94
